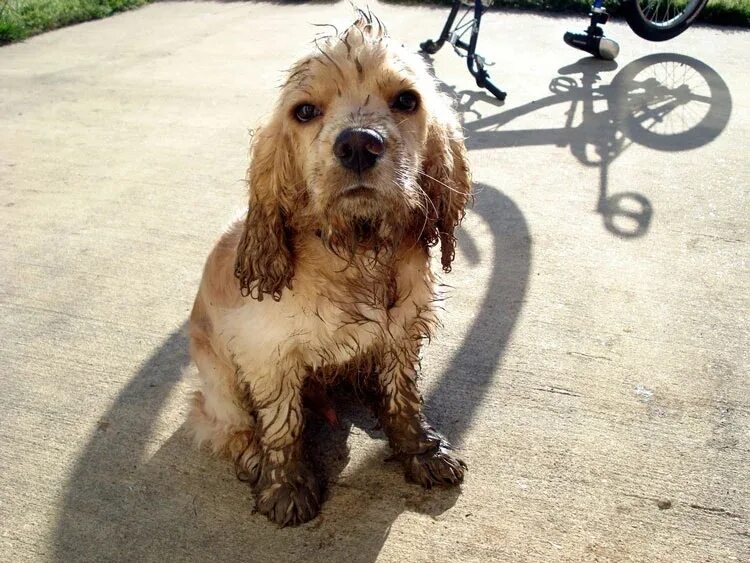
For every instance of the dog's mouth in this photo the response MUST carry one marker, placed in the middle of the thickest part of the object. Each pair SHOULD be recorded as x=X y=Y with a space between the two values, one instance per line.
x=358 y=190
x=362 y=217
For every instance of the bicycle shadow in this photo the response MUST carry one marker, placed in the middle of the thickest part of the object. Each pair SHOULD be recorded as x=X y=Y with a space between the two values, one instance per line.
x=665 y=101
x=131 y=496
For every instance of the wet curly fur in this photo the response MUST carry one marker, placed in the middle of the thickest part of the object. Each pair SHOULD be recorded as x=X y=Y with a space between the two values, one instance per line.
x=320 y=282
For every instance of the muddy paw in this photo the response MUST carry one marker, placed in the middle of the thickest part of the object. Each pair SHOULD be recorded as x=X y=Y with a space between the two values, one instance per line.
x=290 y=502
x=434 y=467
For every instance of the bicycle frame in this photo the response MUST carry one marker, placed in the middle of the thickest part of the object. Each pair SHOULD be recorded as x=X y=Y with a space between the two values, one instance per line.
x=474 y=61
x=591 y=41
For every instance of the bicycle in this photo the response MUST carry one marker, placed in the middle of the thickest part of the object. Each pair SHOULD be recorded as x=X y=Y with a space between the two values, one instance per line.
x=654 y=20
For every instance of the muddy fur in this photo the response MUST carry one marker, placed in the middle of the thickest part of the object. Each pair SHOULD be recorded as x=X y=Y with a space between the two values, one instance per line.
x=345 y=258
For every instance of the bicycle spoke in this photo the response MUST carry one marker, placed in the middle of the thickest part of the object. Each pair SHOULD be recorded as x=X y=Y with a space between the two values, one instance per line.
x=650 y=9
x=666 y=13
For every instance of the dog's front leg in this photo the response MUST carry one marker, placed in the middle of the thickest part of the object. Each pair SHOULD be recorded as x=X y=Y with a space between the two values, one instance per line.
x=286 y=490
x=424 y=453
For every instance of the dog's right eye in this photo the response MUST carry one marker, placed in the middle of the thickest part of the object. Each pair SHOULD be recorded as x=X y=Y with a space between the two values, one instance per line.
x=407 y=101
x=306 y=112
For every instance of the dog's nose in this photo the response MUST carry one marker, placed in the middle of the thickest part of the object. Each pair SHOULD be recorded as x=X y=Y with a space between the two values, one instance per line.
x=358 y=148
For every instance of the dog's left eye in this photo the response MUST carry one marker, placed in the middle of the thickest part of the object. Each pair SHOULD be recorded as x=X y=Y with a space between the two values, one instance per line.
x=306 y=112
x=406 y=101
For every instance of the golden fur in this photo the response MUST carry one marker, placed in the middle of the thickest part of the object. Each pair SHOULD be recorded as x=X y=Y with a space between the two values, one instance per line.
x=344 y=258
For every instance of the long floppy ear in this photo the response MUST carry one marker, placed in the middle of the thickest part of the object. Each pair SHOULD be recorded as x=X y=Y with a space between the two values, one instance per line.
x=264 y=255
x=446 y=180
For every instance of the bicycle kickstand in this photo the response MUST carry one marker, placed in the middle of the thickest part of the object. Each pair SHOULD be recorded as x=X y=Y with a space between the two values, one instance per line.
x=593 y=40
x=475 y=62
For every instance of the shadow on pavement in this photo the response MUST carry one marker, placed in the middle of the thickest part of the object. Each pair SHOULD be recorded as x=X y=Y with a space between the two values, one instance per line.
x=665 y=101
x=131 y=498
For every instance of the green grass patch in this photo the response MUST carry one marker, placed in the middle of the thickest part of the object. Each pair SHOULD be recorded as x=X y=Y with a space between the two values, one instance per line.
x=20 y=19
x=727 y=12
x=717 y=12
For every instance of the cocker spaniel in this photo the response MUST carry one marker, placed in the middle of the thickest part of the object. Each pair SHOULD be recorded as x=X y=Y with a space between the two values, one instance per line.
x=360 y=171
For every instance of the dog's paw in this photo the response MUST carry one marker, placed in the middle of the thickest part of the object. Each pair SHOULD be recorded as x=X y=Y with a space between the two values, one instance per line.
x=290 y=502
x=434 y=467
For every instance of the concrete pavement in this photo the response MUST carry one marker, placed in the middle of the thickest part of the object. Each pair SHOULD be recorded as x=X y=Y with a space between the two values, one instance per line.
x=594 y=365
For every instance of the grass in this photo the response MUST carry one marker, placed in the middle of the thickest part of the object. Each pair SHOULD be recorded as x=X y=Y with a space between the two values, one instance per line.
x=727 y=12
x=20 y=19
x=717 y=12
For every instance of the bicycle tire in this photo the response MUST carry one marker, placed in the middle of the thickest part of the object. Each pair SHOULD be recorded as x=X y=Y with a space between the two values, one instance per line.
x=643 y=18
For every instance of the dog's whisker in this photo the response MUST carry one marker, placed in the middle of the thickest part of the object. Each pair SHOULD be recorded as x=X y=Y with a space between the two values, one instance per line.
x=446 y=186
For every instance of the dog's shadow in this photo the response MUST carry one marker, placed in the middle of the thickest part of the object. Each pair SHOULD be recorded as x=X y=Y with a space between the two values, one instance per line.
x=131 y=496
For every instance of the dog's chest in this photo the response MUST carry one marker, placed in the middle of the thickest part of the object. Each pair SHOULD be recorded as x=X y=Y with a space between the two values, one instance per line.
x=335 y=323
x=345 y=323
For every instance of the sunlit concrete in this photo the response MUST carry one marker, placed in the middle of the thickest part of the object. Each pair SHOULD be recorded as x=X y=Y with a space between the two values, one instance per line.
x=593 y=368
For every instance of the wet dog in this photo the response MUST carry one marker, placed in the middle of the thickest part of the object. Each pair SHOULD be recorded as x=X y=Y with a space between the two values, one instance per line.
x=358 y=174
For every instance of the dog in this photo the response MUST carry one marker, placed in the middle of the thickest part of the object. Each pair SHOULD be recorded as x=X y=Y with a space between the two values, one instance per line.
x=360 y=171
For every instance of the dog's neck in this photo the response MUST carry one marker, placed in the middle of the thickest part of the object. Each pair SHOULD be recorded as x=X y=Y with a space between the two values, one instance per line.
x=371 y=274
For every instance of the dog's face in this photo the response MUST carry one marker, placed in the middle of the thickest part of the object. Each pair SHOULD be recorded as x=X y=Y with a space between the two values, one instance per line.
x=362 y=149
x=355 y=111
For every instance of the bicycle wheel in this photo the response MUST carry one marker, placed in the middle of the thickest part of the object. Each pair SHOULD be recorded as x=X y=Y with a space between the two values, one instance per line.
x=660 y=20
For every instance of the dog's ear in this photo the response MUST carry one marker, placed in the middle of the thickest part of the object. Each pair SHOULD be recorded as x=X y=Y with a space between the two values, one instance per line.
x=446 y=180
x=264 y=255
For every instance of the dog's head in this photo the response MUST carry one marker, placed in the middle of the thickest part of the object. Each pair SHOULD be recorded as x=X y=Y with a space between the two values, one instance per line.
x=362 y=150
